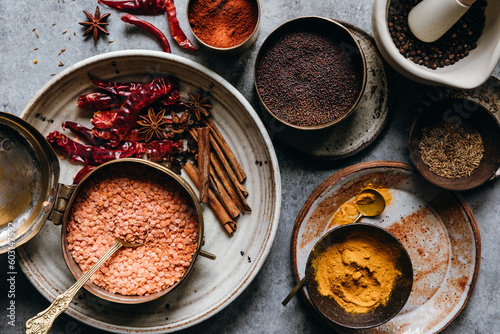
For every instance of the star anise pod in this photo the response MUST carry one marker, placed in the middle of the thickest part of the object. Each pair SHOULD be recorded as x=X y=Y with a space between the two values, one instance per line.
x=95 y=23
x=180 y=124
x=198 y=105
x=153 y=125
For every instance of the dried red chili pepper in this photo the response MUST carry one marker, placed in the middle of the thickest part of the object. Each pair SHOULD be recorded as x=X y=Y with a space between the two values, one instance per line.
x=104 y=119
x=161 y=150
x=82 y=173
x=99 y=100
x=175 y=28
x=89 y=155
x=126 y=118
x=148 y=27
x=139 y=7
x=84 y=133
x=172 y=98
x=117 y=88
x=133 y=135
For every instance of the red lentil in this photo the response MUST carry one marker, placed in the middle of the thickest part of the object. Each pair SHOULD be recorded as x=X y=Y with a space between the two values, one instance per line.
x=142 y=207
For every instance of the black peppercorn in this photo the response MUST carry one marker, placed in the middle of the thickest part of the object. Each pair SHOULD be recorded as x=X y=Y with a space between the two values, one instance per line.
x=450 y=48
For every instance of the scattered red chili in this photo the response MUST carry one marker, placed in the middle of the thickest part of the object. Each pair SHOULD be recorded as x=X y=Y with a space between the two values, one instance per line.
x=143 y=96
x=84 y=133
x=139 y=7
x=82 y=173
x=89 y=155
x=172 y=98
x=132 y=135
x=175 y=28
x=117 y=88
x=148 y=27
x=104 y=119
x=99 y=100
x=161 y=150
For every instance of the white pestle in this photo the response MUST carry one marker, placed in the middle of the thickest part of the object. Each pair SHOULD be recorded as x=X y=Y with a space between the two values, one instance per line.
x=431 y=19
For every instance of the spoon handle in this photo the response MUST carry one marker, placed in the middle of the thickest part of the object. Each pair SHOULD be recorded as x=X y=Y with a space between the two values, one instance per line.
x=42 y=322
x=357 y=218
x=294 y=291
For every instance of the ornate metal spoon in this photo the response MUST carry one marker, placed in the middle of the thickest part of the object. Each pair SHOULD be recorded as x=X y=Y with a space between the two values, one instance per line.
x=42 y=322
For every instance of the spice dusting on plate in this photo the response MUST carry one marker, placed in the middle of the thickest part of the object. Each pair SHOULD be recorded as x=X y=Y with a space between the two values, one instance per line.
x=358 y=273
x=451 y=149
x=307 y=76
x=138 y=206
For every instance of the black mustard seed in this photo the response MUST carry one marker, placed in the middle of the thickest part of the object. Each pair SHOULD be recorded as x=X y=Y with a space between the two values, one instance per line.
x=308 y=77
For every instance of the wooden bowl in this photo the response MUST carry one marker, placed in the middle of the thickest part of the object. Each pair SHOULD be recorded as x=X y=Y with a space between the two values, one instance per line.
x=479 y=118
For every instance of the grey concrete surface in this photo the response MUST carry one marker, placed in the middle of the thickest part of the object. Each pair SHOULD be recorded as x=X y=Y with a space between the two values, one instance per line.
x=258 y=309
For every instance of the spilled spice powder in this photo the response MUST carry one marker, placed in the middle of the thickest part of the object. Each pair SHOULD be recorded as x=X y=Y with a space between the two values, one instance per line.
x=223 y=23
x=451 y=149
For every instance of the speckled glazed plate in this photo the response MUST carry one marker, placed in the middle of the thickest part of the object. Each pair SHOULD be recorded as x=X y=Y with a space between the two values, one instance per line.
x=213 y=284
x=361 y=128
x=437 y=228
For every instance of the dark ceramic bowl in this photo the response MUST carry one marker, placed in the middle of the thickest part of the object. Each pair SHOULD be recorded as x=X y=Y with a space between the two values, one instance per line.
x=330 y=310
x=351 y=52
x=480 y=119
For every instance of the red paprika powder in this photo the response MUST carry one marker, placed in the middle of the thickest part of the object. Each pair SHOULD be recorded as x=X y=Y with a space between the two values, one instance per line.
x=223 y=23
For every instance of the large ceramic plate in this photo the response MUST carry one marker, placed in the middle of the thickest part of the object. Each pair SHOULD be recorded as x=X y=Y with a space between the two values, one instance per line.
x=437 y=228
x=213 y=284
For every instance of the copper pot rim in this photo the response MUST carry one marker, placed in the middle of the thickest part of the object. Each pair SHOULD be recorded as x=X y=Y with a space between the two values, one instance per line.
x=102 y=293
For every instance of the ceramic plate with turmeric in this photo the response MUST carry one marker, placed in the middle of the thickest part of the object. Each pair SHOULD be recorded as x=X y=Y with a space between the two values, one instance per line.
x=436 y=227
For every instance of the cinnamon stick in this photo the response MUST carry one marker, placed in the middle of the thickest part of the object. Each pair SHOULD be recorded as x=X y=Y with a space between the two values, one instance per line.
x=227 y=167
x=238 y=170
x=218 y=209
x=221 y=193
x=233 y=191
x=204 y=161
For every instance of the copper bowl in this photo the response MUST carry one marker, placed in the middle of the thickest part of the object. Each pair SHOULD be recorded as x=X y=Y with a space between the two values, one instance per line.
x=345 y=40
x=75 y=268
x=480 y=119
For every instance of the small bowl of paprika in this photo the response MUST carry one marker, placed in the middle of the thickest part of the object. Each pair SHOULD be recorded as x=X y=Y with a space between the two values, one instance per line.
x=224 y=26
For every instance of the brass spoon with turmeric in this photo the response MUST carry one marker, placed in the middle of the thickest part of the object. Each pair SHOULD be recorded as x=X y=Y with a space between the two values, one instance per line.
x=370 y=203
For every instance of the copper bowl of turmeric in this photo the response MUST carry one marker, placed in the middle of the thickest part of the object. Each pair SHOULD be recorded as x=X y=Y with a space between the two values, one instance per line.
x=224 y=26
x=359 y=276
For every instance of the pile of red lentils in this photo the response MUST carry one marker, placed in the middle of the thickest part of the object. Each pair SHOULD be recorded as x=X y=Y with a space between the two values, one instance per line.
x=138 y=206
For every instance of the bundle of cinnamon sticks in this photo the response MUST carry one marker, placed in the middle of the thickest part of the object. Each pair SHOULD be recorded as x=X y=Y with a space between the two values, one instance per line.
x=219 y=177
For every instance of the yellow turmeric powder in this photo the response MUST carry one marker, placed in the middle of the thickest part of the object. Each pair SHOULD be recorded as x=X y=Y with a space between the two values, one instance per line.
x=358 y=273
x=349 y=210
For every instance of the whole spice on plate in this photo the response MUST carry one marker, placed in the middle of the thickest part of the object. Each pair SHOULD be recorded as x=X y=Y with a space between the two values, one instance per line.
x=451 y=149
x=307 y=77
x=358 y=273
x=450 y=48
x=223 y=23
x=138 y=206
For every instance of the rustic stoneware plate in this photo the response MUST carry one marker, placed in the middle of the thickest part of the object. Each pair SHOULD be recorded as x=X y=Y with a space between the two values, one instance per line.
x=361 y=128
x=436 y=227
x=212 y=285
